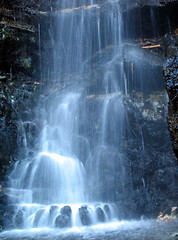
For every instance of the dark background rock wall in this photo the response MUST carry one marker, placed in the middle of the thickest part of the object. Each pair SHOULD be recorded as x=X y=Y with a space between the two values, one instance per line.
x=170 y=70
x=19 y=77
x=156 y=24
x=19 y=86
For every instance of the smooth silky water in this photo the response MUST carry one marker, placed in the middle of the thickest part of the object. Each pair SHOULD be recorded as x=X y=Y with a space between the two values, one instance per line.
x=53 y=188
x=62 y=189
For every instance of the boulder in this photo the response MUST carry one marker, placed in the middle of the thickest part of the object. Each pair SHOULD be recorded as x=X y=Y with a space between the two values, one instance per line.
x=66 y=211
x=84 y=215
x=64 y=219
x=61 y=221
x=107 y=210
x=19 y=219
x=37 y=217
x=100 y=215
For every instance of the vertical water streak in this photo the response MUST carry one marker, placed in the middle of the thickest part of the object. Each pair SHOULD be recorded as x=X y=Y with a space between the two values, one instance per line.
x=86 y=73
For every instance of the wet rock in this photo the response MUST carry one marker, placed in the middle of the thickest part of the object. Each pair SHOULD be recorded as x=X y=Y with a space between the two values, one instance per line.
x=19 y=57
x=64 y=219
x=52 y=212
x=19 y=219
x=3 y=209
x=169 y=45
x=60 y=221
x=84 y=215
x=107 y=210
x=170 y=71
x=100 y=215
x=53 y=209
x=37 y=217
x=66 y=211
x=8 y=213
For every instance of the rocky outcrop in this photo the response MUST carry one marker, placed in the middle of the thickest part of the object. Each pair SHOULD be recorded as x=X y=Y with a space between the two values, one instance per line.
x=150 y=157
x=84 y=215
x=144 y=172
x=19 y=87
x=170 y=71
x=64 y=219
x=18 y=75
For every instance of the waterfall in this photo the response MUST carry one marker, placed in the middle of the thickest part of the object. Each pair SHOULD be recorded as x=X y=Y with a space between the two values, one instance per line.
x=65 y=184
x=97 y=150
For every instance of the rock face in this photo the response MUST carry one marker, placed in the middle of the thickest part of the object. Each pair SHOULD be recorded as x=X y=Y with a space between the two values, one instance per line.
x=37 y=217
x=19 y=47
x=170 y=70
x=100 y=215
x=151 y=161
x=19 y=87
x=64 y=220
x=84 y=215
x=146 y=171
x=171 y=79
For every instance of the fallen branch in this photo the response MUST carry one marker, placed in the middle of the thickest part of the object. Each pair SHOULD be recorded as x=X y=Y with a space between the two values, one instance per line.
x=152 y=46
x=73 y=9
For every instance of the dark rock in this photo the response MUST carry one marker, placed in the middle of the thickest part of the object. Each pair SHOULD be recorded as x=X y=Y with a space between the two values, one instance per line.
x=8 y=213
x=19 y=60
x=169 y=45
x=142 y=11
x=5 y=218
x=170 y=71
x=53 y=209
x=52 y=212
x=62 y=221
x=19 y=219
x=66 y=211
x=100 y=215
x=107 y=210
x=84 y=215
x=38 y=215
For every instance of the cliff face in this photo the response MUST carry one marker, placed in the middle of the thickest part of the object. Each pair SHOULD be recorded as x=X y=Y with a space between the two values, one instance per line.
x=170 y=71
x=23 y=52
x=19 y=76
x=19 y=84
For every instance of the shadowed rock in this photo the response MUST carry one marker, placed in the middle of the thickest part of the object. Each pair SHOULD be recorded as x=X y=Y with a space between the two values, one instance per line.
x=19 y=219
x=84 y=215
x=107 y=210
x=37 y=217
x=64 y=219
x=100 y=215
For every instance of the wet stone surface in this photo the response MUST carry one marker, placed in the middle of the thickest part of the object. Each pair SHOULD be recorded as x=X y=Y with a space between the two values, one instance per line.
x=84 y=215
x=64 y=219
x=170 y=71
x=100 y=215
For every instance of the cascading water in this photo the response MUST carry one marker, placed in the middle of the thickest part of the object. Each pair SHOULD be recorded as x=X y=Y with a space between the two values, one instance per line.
x=54 y=189
x=103 y=141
